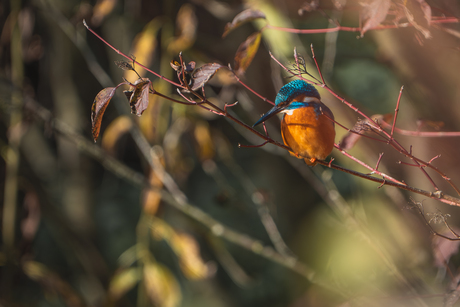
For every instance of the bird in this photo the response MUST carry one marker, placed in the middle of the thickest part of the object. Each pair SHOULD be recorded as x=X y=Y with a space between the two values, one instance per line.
x=307 y=126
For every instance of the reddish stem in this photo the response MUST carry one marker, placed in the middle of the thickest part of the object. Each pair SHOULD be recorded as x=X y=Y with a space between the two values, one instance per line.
x=248 y=88
x=434 y=20
x=396 y=111
x=129 y=58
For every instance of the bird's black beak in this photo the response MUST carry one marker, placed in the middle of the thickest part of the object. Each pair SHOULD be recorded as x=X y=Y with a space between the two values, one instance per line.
x=273 y=111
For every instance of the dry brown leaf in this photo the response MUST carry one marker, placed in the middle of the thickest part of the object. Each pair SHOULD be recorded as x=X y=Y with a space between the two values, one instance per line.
x=241 y=18
x=373 y=13
x=97 y=110
x=139 y=97
x=203 y=74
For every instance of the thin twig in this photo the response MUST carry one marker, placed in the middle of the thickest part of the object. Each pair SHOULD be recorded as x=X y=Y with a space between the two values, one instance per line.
x=396 y=111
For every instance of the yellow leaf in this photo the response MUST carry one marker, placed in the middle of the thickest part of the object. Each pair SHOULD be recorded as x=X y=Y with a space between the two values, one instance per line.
x=190 y=260
x=152 y=198
x=185 y=247
x=246 y=52
x=102 y=9
x=186 y=23
x=123 y=281
x=116 y=129
x=144 y=47
x=161 y=286
x=204 y=140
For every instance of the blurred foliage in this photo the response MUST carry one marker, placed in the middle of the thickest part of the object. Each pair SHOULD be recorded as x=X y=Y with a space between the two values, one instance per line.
x=75 y=234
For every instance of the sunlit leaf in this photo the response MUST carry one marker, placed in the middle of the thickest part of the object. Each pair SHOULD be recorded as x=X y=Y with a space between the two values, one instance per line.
x=161 y=287
x=114 y=131
x=186 y=23
x=204 y=141
x=152 y=198
x=241 y=18
x=185 y=247
x=190 y=261
x=373 y=13
x=139 y=99
x=101 y=10
x=123 y=281
x=246 y=52
x=144 y=46
x=203 y=74
x=97 y=110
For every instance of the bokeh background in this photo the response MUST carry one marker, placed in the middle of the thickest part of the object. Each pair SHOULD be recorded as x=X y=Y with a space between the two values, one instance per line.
x=75 y=232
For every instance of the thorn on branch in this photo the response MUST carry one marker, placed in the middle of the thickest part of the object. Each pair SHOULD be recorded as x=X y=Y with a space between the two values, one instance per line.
x=252 y=146
x=378 y=161
x=229 y=106
x=434 y=158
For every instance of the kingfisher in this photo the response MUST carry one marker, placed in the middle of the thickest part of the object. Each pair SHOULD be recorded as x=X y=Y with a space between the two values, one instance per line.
x=307 y=126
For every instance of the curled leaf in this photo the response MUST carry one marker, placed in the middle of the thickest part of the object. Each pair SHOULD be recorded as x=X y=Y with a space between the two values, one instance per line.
x=246 y=52
x=203 y=74
x=124 y=65
x=97 y=110
x=241 y=18
x=188 y=67
x=139 y=96
x=373 y=13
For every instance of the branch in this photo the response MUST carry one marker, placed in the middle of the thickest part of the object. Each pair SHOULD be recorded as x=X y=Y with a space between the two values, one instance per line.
x=434 y=20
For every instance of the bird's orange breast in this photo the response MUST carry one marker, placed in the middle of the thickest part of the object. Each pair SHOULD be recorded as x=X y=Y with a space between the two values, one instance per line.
x=308 y=132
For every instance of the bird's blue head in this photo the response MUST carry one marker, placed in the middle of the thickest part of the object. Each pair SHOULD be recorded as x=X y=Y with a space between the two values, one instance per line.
x=295 y=91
